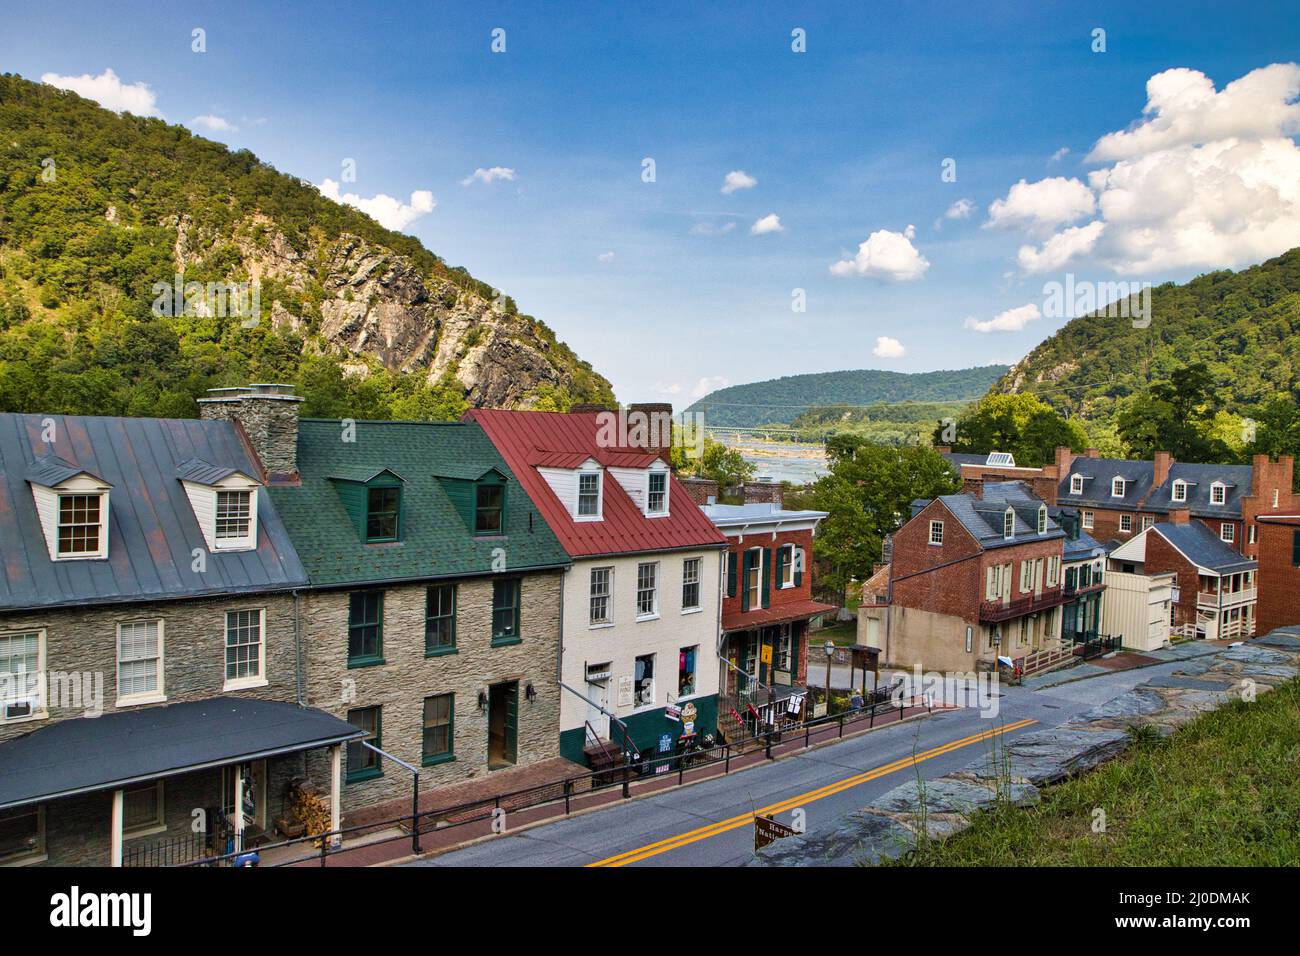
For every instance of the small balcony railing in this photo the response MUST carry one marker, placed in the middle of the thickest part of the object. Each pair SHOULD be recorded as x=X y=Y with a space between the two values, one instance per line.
x=993 y=611
x=1225 y=598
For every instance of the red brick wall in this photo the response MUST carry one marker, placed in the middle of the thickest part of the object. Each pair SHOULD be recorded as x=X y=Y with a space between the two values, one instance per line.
x=1163 y=557
x=1278 y=603
x=953 y=590
x=779 y=596
x=700 y=489
x=1269 y=476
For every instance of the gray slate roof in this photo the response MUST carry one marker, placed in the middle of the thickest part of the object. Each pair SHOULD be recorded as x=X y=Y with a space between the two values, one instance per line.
x=1202 y=546
x=984 y=518
x=85 y=754
x=1083 y=547
x=1098 y=475
x=1237 y=478
x=756 y=512
x=1139 y=475
x=152 y=530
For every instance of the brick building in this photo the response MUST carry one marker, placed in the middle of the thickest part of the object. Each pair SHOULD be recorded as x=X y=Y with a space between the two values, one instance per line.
x=766 y=607
x=1215 y=588
x=1278 y=602
x=973 y=577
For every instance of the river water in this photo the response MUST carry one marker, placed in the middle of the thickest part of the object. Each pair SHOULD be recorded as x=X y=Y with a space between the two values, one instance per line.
x=795 y=463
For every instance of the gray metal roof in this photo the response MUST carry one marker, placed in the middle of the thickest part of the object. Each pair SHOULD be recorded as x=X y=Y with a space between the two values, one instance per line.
x=1083 y=547
x=1236 y=478
x=152 y=531
x=203 y=472
x=86 y=754
x=1099 y=474
x=1202 y=547
x=757 y=512
x=50 y=470
x=984 y=517
x=1141 y=496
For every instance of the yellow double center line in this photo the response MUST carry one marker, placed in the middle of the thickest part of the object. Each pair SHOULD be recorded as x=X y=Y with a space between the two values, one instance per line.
x=723 y=826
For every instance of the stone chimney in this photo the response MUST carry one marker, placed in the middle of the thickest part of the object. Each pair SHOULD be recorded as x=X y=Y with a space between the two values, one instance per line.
x=1179 y=515
x=763 y=490
x=650 y=426
x=268 y=415
x=1162 y=462
x=703 y=491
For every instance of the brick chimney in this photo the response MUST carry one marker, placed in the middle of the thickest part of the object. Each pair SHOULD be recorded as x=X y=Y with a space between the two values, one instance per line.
x=656 y=427
x=703 y=491
x=1063 y=458
x=943 y=449
x=268 y=415
x=763 y=490
x=1179 y=515
x=1093 y=453
x=1162 y=462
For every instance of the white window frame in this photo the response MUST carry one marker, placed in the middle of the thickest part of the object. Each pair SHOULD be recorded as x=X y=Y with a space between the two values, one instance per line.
x=654 y=685
x=158 y=824
x=158 y=694
x=39 y=705
x=1252 y=533
x=1042 y=519
x=1126 y=523
x=756 y=595
x=102 y=524
x=1009 y=523
x=1178 y=490
x=698 y=564
x=653 y=567
x=695 y=674
x=1228 y=532
x=1148 y=521
x=1076 y=484
x=649 y=493
x=598 y=514
x=936 y=533
x=1117 y=483
x=1027 y=574
x=607 y=596
x=787 y=569
x=1087 y=520
x=1221 y=490
x=243 y=683
x=249 y=516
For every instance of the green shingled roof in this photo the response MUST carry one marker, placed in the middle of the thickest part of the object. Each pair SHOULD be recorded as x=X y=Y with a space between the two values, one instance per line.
x=435 y=540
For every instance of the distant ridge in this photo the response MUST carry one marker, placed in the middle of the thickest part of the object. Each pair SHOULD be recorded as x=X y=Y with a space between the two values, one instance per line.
x=784 y=399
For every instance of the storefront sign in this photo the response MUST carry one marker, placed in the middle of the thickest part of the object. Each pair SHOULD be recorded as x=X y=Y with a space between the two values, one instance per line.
x=766 y=654
x=673 y=712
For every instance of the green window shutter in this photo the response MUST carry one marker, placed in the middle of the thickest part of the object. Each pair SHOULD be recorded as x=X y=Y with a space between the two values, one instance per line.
x=798 y=571
x=731 y=574
x=778 y=572
x=767 y=581
x=744 y=580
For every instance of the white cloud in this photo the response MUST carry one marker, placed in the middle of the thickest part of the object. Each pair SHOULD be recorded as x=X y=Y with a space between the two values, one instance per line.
x=737 y=179
x=711 y=229
x=1206 y=180
x=1059 y=155
x=668 y=388
x=384 y=209
x=492 y=174
x=769 y=223
x=1043 y=205
x=961 y=209
x=1012 y=320
x=888 y=348
x=885 y=255
x=606 y=257
x=1069 y=244
x=709 y=383
x=109 y=91
x=1184 y=109
x=217 y=124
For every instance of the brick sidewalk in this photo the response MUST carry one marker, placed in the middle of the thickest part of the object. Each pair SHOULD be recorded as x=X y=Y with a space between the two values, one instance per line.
x=396 y=846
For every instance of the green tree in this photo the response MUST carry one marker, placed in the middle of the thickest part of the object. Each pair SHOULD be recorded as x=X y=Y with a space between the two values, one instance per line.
x=1022 y=424
x=1177 y=415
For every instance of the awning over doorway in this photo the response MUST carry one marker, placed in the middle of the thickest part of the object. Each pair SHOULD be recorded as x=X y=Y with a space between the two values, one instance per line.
x=87 y=754
x=765 y=616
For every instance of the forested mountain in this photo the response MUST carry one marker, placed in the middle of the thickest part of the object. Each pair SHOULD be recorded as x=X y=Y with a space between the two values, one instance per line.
x=97 y=209
x=786 y=399
x=1243 y=326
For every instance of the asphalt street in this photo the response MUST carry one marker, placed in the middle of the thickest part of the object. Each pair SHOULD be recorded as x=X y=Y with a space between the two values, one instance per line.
x=710 y=823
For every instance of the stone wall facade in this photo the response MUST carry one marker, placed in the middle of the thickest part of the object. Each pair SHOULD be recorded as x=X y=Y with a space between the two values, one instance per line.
x=406 y=676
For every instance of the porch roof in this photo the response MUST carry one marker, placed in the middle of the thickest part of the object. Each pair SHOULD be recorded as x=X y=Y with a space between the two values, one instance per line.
x=87 y=754
x=762 y=617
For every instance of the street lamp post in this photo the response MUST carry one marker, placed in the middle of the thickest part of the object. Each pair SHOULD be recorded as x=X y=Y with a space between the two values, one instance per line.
x=829 y=648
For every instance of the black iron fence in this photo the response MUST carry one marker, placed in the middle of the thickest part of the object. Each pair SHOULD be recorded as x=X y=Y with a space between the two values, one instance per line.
x=321 y=847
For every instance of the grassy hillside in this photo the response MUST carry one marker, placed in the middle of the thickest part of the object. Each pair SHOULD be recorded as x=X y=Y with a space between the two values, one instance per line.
x=785 y=399
x=1245 y=326
x=95 y=208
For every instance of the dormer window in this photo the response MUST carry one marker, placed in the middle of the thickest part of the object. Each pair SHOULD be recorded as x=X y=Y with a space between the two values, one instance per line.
x=224 y=502
x=489 y=508
x=657 y=499
x=1076 y=484
x=1179 y=490
x=72 y=505
x=81 y=526
x=1117 y=488
x=1042 y=519
x=1009 y=524
x=1218 y=493
x=234 y=516
x=589 y=494
x=383 y=507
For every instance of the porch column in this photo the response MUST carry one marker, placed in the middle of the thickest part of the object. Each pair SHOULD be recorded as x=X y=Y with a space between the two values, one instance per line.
x=115 y=831
x=238 y=821
x=336 y=781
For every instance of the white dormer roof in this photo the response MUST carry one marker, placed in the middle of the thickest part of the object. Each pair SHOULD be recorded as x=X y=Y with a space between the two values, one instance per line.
x=636 y=482
x=205 y=492
x=51 y=479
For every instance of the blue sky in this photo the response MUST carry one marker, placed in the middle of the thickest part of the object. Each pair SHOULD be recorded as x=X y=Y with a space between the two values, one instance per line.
x=844 y=142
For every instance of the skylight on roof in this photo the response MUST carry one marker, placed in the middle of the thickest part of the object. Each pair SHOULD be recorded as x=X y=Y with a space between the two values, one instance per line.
x=1001 y=458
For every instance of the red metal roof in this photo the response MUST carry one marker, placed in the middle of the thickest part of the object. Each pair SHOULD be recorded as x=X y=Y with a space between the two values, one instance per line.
x=762 y=617
x=526 y=438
